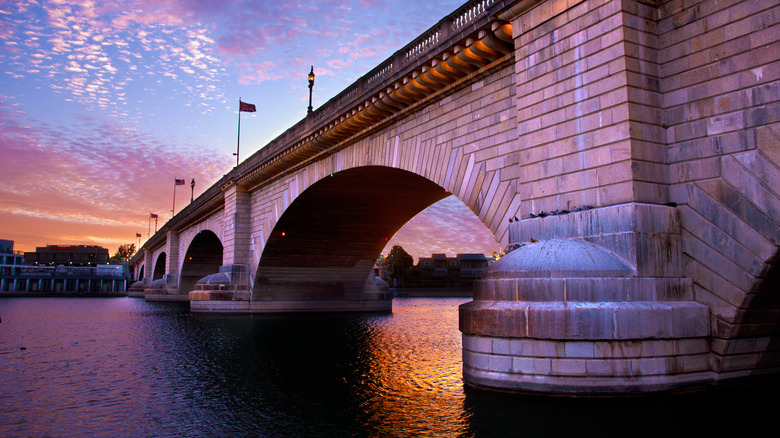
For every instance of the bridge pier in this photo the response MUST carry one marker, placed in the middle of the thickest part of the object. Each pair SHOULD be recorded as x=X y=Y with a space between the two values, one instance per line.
x=226 y=291
x=165 y=289
x=229 y=291
x=136 y=290
x=590 y=302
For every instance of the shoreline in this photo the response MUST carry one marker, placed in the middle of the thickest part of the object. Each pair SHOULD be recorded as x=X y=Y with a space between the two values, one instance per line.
x=62 y=294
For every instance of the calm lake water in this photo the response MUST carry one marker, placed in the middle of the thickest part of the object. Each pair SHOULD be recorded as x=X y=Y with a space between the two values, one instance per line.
x=122 y=367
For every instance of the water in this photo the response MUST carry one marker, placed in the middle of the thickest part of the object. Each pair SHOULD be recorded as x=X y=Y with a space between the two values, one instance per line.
x=122 y=367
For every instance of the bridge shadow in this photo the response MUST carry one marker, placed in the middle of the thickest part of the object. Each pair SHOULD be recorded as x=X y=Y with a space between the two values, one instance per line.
x=764 y=312
x=492 y=414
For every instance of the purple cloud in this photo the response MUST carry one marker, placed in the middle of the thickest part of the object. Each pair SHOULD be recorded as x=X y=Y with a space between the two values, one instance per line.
x=448 y=227
x=93 y=172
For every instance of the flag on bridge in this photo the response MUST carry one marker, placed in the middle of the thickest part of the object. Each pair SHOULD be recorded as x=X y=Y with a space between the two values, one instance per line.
x=243 y=107
x=246 y=107
x=138 y=235
x=179 y=182
x=153 y=215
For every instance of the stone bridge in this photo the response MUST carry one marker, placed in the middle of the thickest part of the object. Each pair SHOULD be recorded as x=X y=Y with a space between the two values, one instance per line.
x=636 y=142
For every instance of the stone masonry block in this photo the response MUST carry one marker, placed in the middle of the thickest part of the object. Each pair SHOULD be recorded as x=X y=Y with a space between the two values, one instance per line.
x=540 y=348
x=597 y=289
x=499 y=363
x=608 y=367
x=531 y=366
x=657 y=366
x=501 y=319
x=477 y=360
x=618 y=349
x=568 y=367
x=661 y=320
x=619 y=193
x=578 y=350
x=740 y=362
x=694 y=363
x=502 y=346
x=661 y=289
x=540 y=289
x=570 y=321
x=523 y=365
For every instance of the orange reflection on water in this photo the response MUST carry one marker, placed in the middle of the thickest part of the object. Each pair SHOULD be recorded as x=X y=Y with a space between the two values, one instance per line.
x=412 y=381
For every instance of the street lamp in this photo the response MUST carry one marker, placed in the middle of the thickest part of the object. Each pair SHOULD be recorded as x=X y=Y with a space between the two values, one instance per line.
x=192 y=186
x=311 y=85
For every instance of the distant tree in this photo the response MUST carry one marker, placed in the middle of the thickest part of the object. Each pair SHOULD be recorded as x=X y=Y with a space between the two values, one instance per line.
x=399 y=261
x=124 y=252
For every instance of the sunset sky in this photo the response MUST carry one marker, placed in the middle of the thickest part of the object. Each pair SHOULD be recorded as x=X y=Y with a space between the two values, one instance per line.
x=104 y=103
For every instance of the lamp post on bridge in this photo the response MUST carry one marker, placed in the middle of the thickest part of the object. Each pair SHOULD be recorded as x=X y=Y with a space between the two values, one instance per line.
x=192 y=186
x=311 y=85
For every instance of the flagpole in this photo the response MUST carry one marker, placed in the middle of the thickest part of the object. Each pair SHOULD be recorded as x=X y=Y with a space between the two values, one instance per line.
x=238 y=139
x=149 y=231
x=173 y=207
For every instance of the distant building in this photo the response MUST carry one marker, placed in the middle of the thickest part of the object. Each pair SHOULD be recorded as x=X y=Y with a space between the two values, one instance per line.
x=10 y=261
x=462 y=266
x=60 y=269
x=71 y=255
x=440 y=271
x=472 y=265
x=437 y=265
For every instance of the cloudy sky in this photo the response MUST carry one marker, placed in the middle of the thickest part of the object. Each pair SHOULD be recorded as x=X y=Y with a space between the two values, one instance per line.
x=104 y=103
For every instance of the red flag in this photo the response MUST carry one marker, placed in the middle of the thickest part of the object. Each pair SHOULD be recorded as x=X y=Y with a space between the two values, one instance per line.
x=246 y=107
x=179 y=182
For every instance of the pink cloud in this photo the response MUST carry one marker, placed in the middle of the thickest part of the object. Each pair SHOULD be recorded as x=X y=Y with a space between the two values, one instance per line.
x=94 y=172
x=339 y=64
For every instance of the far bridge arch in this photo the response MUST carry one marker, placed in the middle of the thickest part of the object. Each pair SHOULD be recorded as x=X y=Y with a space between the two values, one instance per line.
x=203 y=257
x=159 y=267
x=326 y=242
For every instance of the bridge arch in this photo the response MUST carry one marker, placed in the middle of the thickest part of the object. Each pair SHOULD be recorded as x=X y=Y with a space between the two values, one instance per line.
x=326 y=242
x=203 y=257
x=159 y=267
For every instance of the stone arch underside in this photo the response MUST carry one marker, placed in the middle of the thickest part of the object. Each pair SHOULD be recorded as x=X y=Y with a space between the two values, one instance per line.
x=203 y=257
x=759 y=325
x=159 y=267
x=324 y=245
